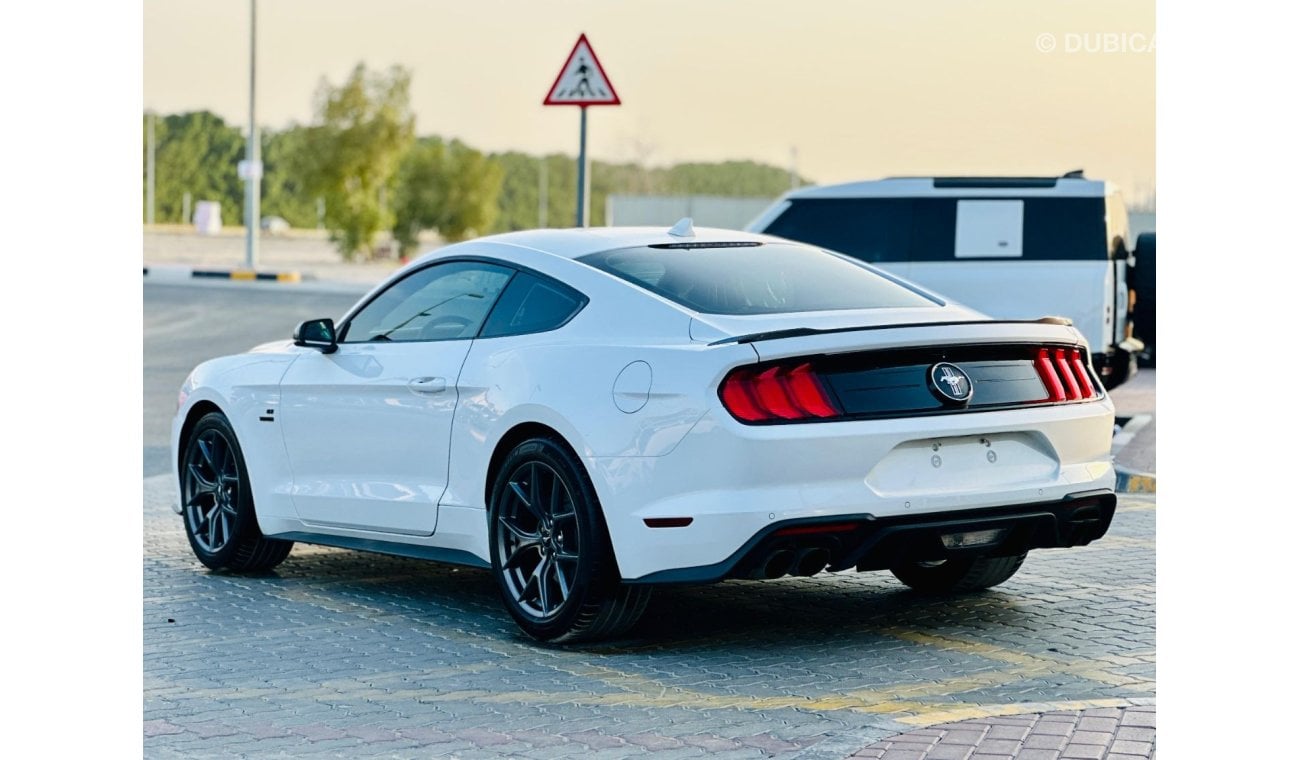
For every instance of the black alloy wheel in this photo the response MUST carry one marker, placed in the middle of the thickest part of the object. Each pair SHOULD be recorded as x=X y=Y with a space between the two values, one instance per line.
x=551 y=554
x=217 y=503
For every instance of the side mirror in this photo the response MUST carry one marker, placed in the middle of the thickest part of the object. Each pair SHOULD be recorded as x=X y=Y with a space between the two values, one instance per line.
x=316 y=333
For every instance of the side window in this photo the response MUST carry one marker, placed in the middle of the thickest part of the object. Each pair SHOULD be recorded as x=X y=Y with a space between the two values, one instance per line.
x=532 y=304
x=442 y=302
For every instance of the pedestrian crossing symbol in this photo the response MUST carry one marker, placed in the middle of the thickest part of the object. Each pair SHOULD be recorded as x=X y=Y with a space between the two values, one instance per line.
x=582 y=81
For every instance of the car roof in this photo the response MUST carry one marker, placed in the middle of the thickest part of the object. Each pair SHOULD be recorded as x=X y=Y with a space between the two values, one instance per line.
x=580 y=241
x=964 y=187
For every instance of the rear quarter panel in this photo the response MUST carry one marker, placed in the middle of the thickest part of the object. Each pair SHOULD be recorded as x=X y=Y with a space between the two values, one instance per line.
x=565 y=379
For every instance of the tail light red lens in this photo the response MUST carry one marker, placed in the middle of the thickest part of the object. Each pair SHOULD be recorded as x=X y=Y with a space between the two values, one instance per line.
x=1064 y=374
x=1081 y=372
x=1067 y=376
x=781 y=392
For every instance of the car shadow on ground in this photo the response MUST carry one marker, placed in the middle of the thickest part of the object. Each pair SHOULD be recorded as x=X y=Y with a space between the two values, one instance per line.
x=843 y=610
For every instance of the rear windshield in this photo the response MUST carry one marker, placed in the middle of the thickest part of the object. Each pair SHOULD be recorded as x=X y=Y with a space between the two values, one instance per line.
x=763 y=279
x=888 y=230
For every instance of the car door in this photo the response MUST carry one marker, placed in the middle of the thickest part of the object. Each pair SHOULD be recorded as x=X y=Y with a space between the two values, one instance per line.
x=367 y=427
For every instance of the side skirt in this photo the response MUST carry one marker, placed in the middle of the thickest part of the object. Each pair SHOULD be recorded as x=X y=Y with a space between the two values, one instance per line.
x=435 y=553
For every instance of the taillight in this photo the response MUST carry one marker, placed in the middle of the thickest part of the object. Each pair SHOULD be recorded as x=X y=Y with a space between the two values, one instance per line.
x=781 y=392
x=1064 y=374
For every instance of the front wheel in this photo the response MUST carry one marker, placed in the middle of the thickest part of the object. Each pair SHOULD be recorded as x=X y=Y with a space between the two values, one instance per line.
x=217 y=503
x=956 y=576
x=550 y=551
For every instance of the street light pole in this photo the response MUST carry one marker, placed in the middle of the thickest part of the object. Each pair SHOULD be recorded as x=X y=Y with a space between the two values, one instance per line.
x=253 y=153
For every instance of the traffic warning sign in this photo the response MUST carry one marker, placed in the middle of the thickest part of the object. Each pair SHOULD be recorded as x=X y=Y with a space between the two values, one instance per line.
x=582 y=81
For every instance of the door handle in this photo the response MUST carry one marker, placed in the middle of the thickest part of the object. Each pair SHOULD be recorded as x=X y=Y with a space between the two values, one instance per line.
x=428 y=385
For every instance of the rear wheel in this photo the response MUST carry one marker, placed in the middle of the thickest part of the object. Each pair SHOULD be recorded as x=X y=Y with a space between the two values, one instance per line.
x=955 y=576
x=550 y=551
x=217 y=503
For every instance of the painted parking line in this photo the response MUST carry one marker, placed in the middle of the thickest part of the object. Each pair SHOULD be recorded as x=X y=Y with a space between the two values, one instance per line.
x=1027 y=665
x=907 y=702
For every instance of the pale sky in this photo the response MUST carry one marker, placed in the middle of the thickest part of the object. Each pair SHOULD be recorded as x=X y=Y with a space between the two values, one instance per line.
x=861 y=88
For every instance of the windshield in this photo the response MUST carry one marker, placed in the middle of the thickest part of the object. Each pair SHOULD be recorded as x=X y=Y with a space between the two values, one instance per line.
x=769 y=278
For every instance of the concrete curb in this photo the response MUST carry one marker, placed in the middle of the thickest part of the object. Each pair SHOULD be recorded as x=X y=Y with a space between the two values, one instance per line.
x=1126 y=480
x=183 y=272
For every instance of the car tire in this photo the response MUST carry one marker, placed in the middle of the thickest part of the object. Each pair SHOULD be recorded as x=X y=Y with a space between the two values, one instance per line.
x=550 y=549
x=957 y=576
x=217 y=502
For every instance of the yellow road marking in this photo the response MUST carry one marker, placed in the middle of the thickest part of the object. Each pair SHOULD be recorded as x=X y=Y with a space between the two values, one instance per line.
x=1027 y=665
x=633 y=690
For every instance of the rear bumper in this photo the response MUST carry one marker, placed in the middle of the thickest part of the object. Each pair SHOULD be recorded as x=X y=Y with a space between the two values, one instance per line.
x=878 y=543
x=736 y=481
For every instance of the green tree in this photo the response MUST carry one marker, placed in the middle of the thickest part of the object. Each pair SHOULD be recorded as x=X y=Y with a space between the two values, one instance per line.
x=743 y=178
x=350 y=156
x=283 y=191
x=197 y=153
x=519 y=200
x=448 y=187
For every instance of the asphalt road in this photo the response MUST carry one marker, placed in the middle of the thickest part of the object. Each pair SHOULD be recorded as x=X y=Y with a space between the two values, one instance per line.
x=345 y=654
x=187 y=324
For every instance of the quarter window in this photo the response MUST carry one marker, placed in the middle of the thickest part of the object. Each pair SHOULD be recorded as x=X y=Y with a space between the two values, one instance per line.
x=442 y=302
x=532 y=304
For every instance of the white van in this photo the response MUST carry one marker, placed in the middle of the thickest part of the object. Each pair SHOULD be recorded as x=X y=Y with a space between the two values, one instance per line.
x=1011 y=247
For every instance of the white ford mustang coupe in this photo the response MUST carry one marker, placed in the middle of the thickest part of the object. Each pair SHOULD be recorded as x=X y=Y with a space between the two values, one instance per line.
x=591 y=412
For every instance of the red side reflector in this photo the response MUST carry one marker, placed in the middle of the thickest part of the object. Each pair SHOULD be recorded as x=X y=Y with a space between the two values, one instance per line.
x=800 y=530
x=1067 y=376
x=668 y=522
x=1047 y=372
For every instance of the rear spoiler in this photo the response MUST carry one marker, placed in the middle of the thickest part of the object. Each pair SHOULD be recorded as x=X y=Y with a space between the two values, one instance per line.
x=798 y=332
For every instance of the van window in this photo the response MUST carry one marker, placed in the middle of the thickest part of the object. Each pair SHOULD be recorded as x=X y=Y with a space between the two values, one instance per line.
x=884 y=230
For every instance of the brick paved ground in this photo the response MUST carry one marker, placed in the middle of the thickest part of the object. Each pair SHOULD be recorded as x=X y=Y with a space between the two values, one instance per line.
x=1096 y=734
x=344 y=654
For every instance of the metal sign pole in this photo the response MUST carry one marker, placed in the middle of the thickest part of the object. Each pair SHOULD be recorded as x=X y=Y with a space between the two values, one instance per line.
x=582 y=82
x=582 y=171
x=253 y=184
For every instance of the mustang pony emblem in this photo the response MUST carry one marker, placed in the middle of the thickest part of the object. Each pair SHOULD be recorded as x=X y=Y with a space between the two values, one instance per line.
x=950 y=383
